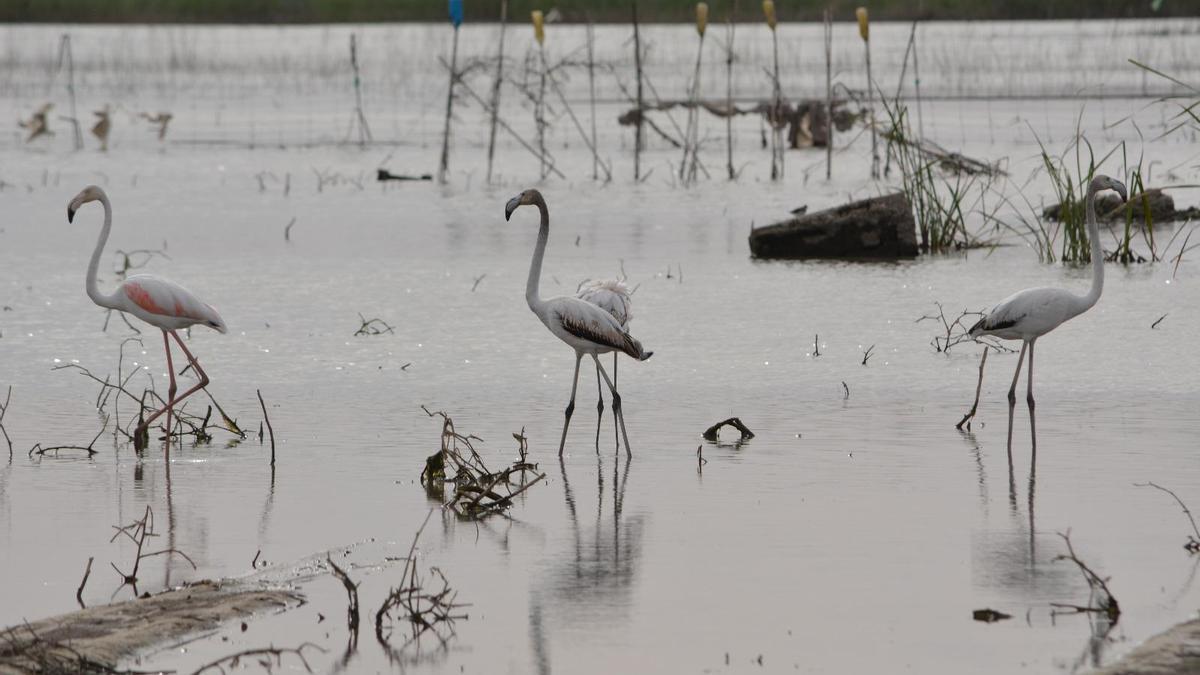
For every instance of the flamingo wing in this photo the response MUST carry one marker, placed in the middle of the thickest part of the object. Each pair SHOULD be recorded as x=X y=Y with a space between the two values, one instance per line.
x=163 y=298
x=1032 y=312
x=593 y=324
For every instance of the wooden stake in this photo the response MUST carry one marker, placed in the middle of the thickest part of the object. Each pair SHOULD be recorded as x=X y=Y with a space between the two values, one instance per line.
x=865 y=33
x=637 y=63
x=729 y=93
x=591 y=40
x=364 y=131
x=828 y=94
x=445 y=165
x=496 y=87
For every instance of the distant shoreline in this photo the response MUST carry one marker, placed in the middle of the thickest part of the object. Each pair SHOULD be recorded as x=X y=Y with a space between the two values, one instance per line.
x=570 y=11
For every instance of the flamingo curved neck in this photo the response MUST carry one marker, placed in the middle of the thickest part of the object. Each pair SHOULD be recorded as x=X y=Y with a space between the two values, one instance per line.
x=1093 y=294
x=93 y=291
x=539 y=252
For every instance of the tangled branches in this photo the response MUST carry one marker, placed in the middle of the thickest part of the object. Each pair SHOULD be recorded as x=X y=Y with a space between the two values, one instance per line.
x=1101 y=600
x=957 y=331
x=477 y=489
x=1193 y=540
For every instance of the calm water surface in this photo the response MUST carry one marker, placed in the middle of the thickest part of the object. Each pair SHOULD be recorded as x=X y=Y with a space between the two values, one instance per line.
x=852 y=534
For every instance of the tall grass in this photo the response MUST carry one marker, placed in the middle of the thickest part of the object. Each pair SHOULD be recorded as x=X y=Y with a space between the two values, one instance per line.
x=938 y=193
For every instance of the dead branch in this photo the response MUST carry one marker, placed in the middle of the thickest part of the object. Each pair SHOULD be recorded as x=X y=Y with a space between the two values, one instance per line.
x=978 y=388
x=270 y=429
x=710 y=434
x=272 y=657
x=38 y=450
x=79 y=591
x=1106 y=604
x=352 y=598
x=868 y=354
x=138 y=532
x=958 y=330
x=372 y=327
x=1193 y=542
x=478 y=491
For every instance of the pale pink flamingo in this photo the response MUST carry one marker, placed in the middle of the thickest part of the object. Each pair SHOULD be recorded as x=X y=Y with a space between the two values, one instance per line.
x=585 y=327
x=160 y=303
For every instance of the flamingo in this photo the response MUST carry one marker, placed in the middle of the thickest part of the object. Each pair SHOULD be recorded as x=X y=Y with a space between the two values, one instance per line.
x=159 y=302
x=586 y=328
x=1029 y=314
x=614 y=297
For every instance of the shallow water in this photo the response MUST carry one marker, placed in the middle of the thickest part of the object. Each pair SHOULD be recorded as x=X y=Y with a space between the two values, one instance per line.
x=853 y=533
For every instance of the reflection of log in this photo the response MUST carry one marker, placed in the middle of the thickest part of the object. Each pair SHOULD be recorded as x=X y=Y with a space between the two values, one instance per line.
x=805 y=120
x=881 y=227
x=1109 y=207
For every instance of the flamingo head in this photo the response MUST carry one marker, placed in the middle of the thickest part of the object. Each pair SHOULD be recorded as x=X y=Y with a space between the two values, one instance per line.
x=90 y=193
x=1102 y=182
x=530 y=196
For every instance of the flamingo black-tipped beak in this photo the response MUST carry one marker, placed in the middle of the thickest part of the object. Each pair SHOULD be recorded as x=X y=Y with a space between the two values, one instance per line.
x=1120 y=188
x=70 y=215
x=511 y=206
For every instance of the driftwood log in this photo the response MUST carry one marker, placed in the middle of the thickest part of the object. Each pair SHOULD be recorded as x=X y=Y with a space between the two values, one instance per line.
x=876 y=228
x=1110 y=208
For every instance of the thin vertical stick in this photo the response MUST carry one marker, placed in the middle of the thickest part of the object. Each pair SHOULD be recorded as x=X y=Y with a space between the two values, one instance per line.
x=270 y=429
x=65 y=52
x=79 y=591
x=828 y=94
x=978 y=388
x=445 y=165
x=865 y=34
x=496 y=87
x=729 y=93
x=364 y=131
x=687 y=169
x=540 y=111
x=777 y=96
x=637 y=64
x=591 y=39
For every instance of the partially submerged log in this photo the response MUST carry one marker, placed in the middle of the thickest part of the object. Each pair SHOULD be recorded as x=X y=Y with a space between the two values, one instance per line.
x=876 y=228
x=98 y=638
x=1110 y=208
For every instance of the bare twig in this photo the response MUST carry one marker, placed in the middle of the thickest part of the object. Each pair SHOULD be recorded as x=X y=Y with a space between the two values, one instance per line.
x=372 y=326
x=978 y=388
x=79 y=591
x=138 y=532
x=867 y=354
x=270 y=429
x=1106 y=603
x=1193 y=542
x=710 y=434
x=1158 y=321
x=3 y=411
x=352 y=597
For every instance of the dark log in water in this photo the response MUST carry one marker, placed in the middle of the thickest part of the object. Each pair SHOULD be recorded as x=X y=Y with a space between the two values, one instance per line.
x=877 y=228
x=1109 y=207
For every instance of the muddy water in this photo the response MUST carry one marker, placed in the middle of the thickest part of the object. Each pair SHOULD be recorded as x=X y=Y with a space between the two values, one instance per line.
x=853 y=533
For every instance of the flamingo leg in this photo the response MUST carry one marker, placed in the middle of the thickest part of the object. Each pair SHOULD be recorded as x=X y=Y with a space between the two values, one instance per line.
x=172 y=400
x=616 y=404
x=171 y=389
x=1012 y=393
x=616 y=439
x=570 y=406
x=1029 y=377
x=599 y=409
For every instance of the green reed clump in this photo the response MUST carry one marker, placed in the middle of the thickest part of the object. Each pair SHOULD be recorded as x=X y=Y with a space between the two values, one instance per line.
x=939 y=202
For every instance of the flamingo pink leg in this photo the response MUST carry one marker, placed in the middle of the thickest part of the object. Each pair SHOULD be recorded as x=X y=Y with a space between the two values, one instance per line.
x=171 y=399
x=171 y=389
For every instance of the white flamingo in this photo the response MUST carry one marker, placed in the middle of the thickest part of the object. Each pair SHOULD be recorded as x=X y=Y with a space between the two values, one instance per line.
x=585 y=327
x=160 y=303
x=1029 y=314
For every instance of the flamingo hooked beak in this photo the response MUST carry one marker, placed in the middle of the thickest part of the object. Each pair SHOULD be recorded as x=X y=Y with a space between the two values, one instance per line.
x=511 y=206
x=70 y=215
x=1120 y=189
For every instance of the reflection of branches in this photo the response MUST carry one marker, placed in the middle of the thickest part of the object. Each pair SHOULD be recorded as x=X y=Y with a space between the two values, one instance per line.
x=1193 y=542
x=268 y=657
x=426 y=612
x=3 y=410
x=138 y=532
x=137 y=258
